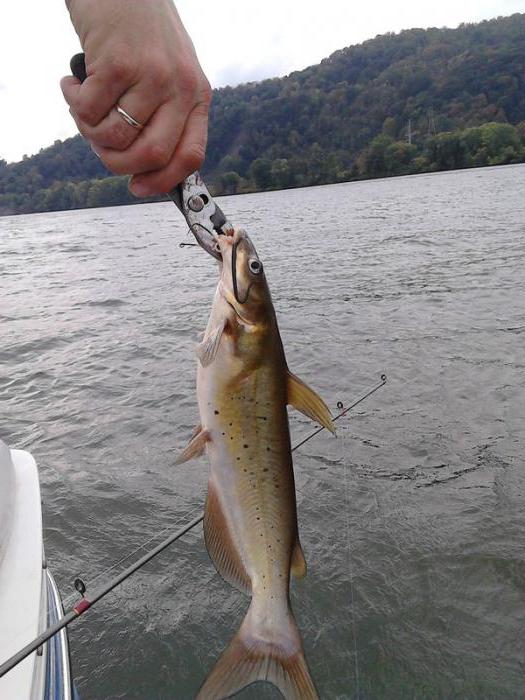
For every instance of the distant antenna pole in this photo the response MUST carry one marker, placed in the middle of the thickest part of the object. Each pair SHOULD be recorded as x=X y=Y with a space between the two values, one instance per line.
x=431 y=123
x=409 y=132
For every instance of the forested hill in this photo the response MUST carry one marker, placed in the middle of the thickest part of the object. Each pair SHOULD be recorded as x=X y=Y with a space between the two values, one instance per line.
x=420 y=100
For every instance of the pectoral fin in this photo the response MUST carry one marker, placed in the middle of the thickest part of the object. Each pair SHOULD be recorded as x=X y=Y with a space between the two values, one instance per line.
x=195 y=447
x=305 y=400
x=207 y=350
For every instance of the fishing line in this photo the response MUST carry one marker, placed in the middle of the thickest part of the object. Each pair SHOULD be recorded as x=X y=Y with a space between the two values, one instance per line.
x=217 y=252
x=350 y=571
x=86 y=603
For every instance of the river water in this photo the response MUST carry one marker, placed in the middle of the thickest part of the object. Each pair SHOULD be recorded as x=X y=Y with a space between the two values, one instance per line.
x=412 y=518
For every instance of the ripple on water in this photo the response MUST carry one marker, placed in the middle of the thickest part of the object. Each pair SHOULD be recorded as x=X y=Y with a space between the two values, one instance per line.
x=411 y=519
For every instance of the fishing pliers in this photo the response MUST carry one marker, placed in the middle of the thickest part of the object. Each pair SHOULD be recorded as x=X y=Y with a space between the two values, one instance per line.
x=204 y=217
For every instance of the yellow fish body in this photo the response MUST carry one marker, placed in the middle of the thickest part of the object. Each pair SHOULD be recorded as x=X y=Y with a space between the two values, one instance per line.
x=250 y=521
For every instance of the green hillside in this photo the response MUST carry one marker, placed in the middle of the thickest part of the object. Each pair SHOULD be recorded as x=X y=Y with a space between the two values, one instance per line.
x=417 y=101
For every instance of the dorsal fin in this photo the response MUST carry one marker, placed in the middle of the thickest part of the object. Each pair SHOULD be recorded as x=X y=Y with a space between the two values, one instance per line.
x=221 y=545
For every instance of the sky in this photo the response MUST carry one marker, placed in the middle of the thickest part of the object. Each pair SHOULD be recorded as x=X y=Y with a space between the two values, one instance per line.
x=236 y=42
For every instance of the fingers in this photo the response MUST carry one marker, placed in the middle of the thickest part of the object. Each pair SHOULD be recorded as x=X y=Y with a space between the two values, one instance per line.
x=153 y=148
x=113 y=131
x=188 y=157
x=93 y=99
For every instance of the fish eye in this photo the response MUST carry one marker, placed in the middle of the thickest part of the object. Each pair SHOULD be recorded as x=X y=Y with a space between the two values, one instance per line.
x=255 y=266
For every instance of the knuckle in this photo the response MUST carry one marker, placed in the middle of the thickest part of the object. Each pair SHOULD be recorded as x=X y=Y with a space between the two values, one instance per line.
x=188 y=81
x=160 y=74
x=121 y=67
x=114 y=165
x=87 y=112
x=206 y=93
x=158 y=155
x=118 y=136
x=192 y=158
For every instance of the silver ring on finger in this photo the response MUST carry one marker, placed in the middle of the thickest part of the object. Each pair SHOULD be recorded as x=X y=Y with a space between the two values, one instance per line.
x=129 y=119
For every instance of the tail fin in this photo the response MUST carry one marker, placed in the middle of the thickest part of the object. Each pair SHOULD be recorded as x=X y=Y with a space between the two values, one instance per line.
x=256 y=654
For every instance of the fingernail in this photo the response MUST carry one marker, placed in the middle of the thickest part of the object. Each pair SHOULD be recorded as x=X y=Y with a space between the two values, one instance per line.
x=139 y=189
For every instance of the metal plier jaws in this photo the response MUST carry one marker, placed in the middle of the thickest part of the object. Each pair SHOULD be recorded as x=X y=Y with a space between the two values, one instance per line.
x=205 y=219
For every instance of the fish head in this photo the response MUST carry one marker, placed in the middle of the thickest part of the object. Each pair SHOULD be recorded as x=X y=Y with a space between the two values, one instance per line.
x=243 y=282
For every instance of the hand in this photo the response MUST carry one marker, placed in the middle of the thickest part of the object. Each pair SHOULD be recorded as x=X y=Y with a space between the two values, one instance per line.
x=139 y=56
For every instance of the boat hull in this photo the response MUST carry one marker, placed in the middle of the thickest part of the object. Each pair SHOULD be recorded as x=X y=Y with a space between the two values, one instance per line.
x=29 y=597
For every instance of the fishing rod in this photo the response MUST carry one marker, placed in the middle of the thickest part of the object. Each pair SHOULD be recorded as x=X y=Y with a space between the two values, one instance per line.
x=85 y=603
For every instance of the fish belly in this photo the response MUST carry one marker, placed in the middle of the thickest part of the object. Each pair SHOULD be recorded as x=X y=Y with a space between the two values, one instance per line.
x=251 y=474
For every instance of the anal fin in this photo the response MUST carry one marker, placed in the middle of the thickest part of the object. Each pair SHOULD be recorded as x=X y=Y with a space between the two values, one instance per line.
x=305 y=400
x=221 y=545
x=298 y=563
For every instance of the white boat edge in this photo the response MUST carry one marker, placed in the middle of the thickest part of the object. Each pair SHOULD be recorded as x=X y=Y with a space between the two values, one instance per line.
x=29 y=597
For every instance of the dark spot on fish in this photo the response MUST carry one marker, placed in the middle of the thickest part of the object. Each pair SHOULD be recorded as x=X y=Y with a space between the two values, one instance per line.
x=216 y=412
x=238 y=459
x=257 y=518
x=245 y=446
x=231 y=437
x=230 y=424
x=244 y=470
x=276 y=486
x=224 y=433
x=265 y=469
x=267 y=449
x=262 y=417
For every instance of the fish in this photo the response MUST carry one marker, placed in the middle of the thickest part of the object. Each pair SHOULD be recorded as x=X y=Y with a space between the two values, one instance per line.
x=250 y=518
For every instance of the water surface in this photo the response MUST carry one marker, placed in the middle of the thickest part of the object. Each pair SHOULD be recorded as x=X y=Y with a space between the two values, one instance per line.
x=412 y=519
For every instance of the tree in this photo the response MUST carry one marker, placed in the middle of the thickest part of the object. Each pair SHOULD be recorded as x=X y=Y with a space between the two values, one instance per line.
x=230 y=182
x=261 y=173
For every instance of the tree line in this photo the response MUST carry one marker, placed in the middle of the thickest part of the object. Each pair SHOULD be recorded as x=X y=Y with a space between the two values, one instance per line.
x=417 y=101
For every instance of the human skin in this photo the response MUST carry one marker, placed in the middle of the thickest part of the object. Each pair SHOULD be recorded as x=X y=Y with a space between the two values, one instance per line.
x=139 y=55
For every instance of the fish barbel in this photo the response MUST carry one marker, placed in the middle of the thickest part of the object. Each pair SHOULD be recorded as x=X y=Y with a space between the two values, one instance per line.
x=250 y=520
